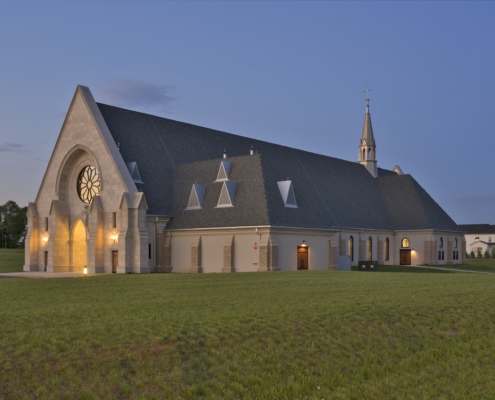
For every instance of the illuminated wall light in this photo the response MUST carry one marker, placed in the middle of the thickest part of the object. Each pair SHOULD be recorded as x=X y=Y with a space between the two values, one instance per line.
x=45 y=239
x=85 y=271
x=113 y=237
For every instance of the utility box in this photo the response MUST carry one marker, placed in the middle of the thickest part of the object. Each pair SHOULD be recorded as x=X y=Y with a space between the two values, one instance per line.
x=368 y=266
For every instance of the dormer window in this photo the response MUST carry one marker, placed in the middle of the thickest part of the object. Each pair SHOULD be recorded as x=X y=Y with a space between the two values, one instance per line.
x=287 y=192
x=223 y=172
x=226 y=198
x=196 y=197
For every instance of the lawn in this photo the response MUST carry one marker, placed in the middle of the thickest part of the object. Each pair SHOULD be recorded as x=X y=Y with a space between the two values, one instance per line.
x=11 y=260
x=274 y=335
x=476 y=264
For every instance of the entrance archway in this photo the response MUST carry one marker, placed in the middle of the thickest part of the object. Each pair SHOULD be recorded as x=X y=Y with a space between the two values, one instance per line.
x=79 y=253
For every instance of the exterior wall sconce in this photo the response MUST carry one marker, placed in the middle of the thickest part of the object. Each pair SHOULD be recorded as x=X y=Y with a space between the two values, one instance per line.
x=304 y=244
x=45 y=240
x=85 y=271
x=113 y=237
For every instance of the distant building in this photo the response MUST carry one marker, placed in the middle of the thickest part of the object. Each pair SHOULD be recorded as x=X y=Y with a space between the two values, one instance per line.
x=126 y=191
x=479 y=237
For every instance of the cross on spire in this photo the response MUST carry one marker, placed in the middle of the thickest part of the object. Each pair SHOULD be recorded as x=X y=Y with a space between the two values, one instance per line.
x=367 y=95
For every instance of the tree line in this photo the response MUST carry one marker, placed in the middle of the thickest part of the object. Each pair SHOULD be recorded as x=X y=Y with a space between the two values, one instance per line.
x=478 y=254
x=13 y=225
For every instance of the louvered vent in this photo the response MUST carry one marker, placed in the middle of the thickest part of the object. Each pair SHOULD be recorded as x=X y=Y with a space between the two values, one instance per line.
x=134 y=171
x=223 y=172
x=196 y=197
x=287 y=192
x=226 y=198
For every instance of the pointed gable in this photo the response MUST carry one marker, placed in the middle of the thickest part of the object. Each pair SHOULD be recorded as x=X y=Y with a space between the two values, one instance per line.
x=287 y=193
x=134 y=171
x=223 y=171
x=226 y=198
x=196 y=197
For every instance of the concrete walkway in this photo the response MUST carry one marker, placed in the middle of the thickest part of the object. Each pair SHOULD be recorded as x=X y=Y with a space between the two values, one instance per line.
x=41 y=275
x=450 y=269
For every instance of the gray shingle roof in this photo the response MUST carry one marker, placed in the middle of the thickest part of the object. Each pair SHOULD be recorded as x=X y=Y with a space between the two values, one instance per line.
x=386 y=172
x=478 y=228
x=330 y=192
x=411 y=207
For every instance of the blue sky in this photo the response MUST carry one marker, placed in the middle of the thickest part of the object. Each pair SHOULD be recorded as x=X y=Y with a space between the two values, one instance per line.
x=287 y=72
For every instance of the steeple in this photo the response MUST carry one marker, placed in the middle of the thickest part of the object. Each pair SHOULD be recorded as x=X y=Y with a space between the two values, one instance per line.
x=367 y=145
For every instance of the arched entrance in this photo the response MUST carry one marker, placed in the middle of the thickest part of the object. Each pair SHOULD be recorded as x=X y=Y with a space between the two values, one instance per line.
x=79 y=253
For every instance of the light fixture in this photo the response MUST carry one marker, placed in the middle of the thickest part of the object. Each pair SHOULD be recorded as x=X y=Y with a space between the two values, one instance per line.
x=113 y=237
x=85 y=271
x=304 y=244
x=45 y=239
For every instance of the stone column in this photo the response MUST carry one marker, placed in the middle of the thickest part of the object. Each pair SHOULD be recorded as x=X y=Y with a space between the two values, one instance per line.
x=58 y=242
x=268 y=253
x=449 y=250
x=32 y=240
x=342 y=251
x=228 y=255
x=363 y=256
x=196 y=256
x=133 y=235
x=95 y=238
x=380 y=248
x=164 y=252
x=332 y=254
x=430 y=248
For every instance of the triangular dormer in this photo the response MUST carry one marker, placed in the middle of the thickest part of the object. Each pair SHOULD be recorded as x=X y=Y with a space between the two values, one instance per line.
x=223 y=172
x=134 y=171
x=226 y=198
x=196 y=197
x=287 y=192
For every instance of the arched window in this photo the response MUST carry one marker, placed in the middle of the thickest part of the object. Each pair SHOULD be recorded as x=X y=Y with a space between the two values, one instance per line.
x=369 y=249
x=387 y=249
x=405 y=243
x=351 y=248
x=369 y=153
x=441 y=242
x=364 y=154
x=455 y=243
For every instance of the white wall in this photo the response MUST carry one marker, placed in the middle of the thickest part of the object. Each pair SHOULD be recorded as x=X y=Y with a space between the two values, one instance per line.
x=244 y=253
x=287 y=251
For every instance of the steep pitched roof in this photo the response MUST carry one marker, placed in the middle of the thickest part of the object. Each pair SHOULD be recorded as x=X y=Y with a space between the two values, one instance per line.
x=367 y=137
x=410 y=207
x=330 y=192
x=386 y=172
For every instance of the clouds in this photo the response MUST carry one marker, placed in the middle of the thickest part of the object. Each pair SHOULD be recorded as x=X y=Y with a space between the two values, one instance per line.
x=12 y=148
x=137 y=95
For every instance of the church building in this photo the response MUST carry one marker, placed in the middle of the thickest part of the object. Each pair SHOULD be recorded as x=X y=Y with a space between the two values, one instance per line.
x=128 y=192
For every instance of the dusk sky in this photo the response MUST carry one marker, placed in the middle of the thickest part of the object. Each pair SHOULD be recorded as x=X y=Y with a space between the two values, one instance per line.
x=291 y=73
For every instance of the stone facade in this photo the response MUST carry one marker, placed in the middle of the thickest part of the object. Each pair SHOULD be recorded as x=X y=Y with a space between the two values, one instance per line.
x=228 y=255
x=196 y=256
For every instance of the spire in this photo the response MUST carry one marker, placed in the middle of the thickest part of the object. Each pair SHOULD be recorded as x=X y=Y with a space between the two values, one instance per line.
x=367 y=137
x=367 y=145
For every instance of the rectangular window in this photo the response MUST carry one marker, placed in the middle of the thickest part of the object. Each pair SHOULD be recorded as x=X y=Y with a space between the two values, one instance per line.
x=46 y=224
x=114 y=220
x=149 y=251
x=490 y=239
x=441 y=255
x=477 y=239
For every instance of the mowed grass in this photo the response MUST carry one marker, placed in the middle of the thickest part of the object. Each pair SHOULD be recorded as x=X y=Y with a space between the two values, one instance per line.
x=475 y=264
x=11 y=260
x=281 y=335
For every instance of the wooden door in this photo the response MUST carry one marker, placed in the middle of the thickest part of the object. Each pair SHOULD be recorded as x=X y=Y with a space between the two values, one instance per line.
x=115 y=261
x=46 y=259
x=302 y=258
x=405 y=257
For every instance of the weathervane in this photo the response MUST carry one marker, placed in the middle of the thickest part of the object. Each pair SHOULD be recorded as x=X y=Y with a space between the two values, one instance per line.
x=367 y=95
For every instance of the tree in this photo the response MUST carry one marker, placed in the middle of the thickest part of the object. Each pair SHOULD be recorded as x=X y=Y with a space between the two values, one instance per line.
x=493 y=252
x=479 y=252
x=13 y=225
x=486 y=255
x=471 y=255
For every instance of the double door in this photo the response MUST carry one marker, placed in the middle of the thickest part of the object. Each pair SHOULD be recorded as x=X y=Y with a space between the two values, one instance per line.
x=405 y=257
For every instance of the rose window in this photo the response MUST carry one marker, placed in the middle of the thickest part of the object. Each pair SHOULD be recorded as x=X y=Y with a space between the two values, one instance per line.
x=88 y=184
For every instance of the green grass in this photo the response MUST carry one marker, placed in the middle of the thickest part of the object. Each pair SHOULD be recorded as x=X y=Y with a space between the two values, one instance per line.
x=282 y=335
x=11 y=260
x=402 y=268
x=475 y=264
